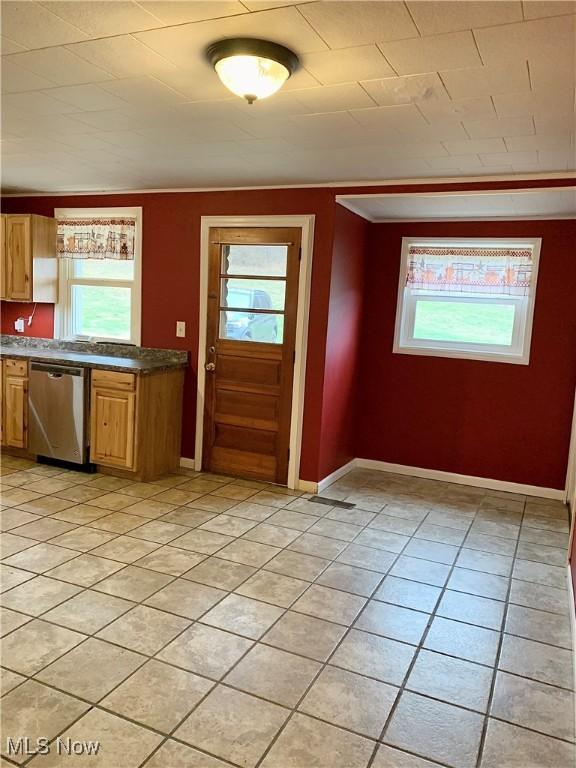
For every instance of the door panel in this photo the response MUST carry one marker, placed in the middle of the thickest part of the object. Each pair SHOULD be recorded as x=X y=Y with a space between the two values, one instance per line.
x=252 y=303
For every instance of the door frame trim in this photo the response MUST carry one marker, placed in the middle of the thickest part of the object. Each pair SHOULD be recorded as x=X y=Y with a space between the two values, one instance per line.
x=306 y=224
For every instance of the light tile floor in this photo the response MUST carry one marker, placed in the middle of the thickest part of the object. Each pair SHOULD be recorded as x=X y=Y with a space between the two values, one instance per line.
x=201 y=622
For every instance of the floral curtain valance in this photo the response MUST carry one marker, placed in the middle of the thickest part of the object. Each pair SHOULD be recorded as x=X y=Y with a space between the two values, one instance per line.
x=95 y=238
x=497 y=271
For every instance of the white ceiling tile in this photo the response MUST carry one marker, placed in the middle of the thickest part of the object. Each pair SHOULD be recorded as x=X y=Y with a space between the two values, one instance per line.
x=264 y=5
x=552 y=73
x=504 y=158
x=37 y=103
x=405 y=90
x=33 y=26
x=492 y=128
x=9 y=46
x=197 y=84
x=457 y=109
x=555 y=156
x=16 y=79
x=389 y=117
x=462 y=162
x=540 y=141
x=84 y=141
x=535 y=9
x=124 y=56
x=183 y=11
x=440 y=130
x=103 y=17
x=475 y=146
x=417 y=149
x=486 y=81
x=334 y=98
x=184 y=45
x=345 y=24
x=364 y=62
x=59 y=126
x=434 y=18
x=453 y=50
x=108 y=120
x=540 y=39
x=555 y=122
x=533 y=103
x=86 y=97
x=146 y=91
x=299 y=80
x=60 y=66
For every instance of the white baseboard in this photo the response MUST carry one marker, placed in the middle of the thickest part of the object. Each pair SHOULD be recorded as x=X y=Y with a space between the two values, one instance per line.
x=309 y=486
x=336 y=475
x=572 y=620
x=453 y=477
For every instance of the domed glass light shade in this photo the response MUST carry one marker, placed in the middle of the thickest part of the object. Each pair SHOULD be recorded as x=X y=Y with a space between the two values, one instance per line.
x=252 y=69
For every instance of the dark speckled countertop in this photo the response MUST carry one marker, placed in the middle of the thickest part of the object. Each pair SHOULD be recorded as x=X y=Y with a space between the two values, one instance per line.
x=111 y=357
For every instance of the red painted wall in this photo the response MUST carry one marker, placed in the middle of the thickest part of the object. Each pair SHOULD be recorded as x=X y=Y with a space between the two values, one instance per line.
x=494 y=420
x=42 y=323
x=170 y=278
x=340 y=401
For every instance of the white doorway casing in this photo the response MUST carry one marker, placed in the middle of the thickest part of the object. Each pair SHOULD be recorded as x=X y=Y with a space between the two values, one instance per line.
x=306 y=224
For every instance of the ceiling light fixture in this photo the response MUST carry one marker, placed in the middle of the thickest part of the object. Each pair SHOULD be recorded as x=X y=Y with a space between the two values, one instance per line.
x=252 y=68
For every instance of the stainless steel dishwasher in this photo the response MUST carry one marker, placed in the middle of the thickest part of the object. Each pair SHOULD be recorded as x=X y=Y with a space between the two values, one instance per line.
x=57 y=404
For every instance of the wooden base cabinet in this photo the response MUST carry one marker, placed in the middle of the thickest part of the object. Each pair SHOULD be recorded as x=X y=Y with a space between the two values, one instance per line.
x=135 y=422
x=14 y=403
x=29 y=258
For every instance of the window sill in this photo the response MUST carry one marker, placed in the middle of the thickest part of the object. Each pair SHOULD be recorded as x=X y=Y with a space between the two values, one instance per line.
x=489 y=357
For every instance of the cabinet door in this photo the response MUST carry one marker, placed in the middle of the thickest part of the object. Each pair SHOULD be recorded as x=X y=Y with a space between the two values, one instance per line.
x=15 y=402
x=112 y=427
x=18 y=258
x=3 y=293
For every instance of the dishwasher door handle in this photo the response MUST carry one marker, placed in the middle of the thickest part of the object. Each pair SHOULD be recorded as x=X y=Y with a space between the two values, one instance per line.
x=55 y=375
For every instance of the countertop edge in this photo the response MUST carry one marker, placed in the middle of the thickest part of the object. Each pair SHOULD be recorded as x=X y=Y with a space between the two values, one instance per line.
x=140 y=367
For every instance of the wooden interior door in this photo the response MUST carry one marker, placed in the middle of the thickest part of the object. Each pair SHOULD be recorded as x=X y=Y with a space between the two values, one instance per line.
x=251 y=331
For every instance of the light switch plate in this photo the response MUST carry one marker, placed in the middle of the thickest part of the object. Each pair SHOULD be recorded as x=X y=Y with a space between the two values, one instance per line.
x=19 y=325
x=180 y=329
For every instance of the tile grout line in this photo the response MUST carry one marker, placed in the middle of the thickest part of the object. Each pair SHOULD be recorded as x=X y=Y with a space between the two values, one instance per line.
x=263 y=568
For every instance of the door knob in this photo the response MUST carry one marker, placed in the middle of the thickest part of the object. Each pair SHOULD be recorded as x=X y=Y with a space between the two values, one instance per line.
x=210 y=366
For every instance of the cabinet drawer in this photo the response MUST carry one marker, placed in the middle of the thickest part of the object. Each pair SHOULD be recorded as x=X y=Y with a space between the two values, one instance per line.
x=126 y=382
x=16 y=367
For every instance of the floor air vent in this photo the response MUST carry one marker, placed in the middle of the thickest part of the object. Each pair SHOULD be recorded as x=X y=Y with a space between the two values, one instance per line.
x=331 y=502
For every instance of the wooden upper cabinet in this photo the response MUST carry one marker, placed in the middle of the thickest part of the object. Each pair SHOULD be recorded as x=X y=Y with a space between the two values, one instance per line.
x=29 y=258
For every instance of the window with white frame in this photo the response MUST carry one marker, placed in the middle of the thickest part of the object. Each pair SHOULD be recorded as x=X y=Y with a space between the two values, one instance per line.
x=100 y=274
x=467 y=298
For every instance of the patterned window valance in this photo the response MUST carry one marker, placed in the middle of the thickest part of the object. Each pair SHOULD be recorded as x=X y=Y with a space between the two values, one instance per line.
x=497 y=271
x=94 y=238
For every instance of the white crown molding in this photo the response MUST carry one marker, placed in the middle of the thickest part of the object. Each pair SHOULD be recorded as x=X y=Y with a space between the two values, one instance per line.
x=427 y=180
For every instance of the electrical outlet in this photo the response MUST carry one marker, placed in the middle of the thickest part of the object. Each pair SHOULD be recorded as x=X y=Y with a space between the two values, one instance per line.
x=180 y=329
x=19 y=325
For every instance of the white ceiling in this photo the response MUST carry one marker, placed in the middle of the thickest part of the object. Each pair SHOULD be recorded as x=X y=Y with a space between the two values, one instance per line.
x=517 y=204
x=116 y=95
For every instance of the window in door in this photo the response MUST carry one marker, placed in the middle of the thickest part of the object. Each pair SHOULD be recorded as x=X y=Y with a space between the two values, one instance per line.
x=470 y=299
x=253 y=293
x=100 y=269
